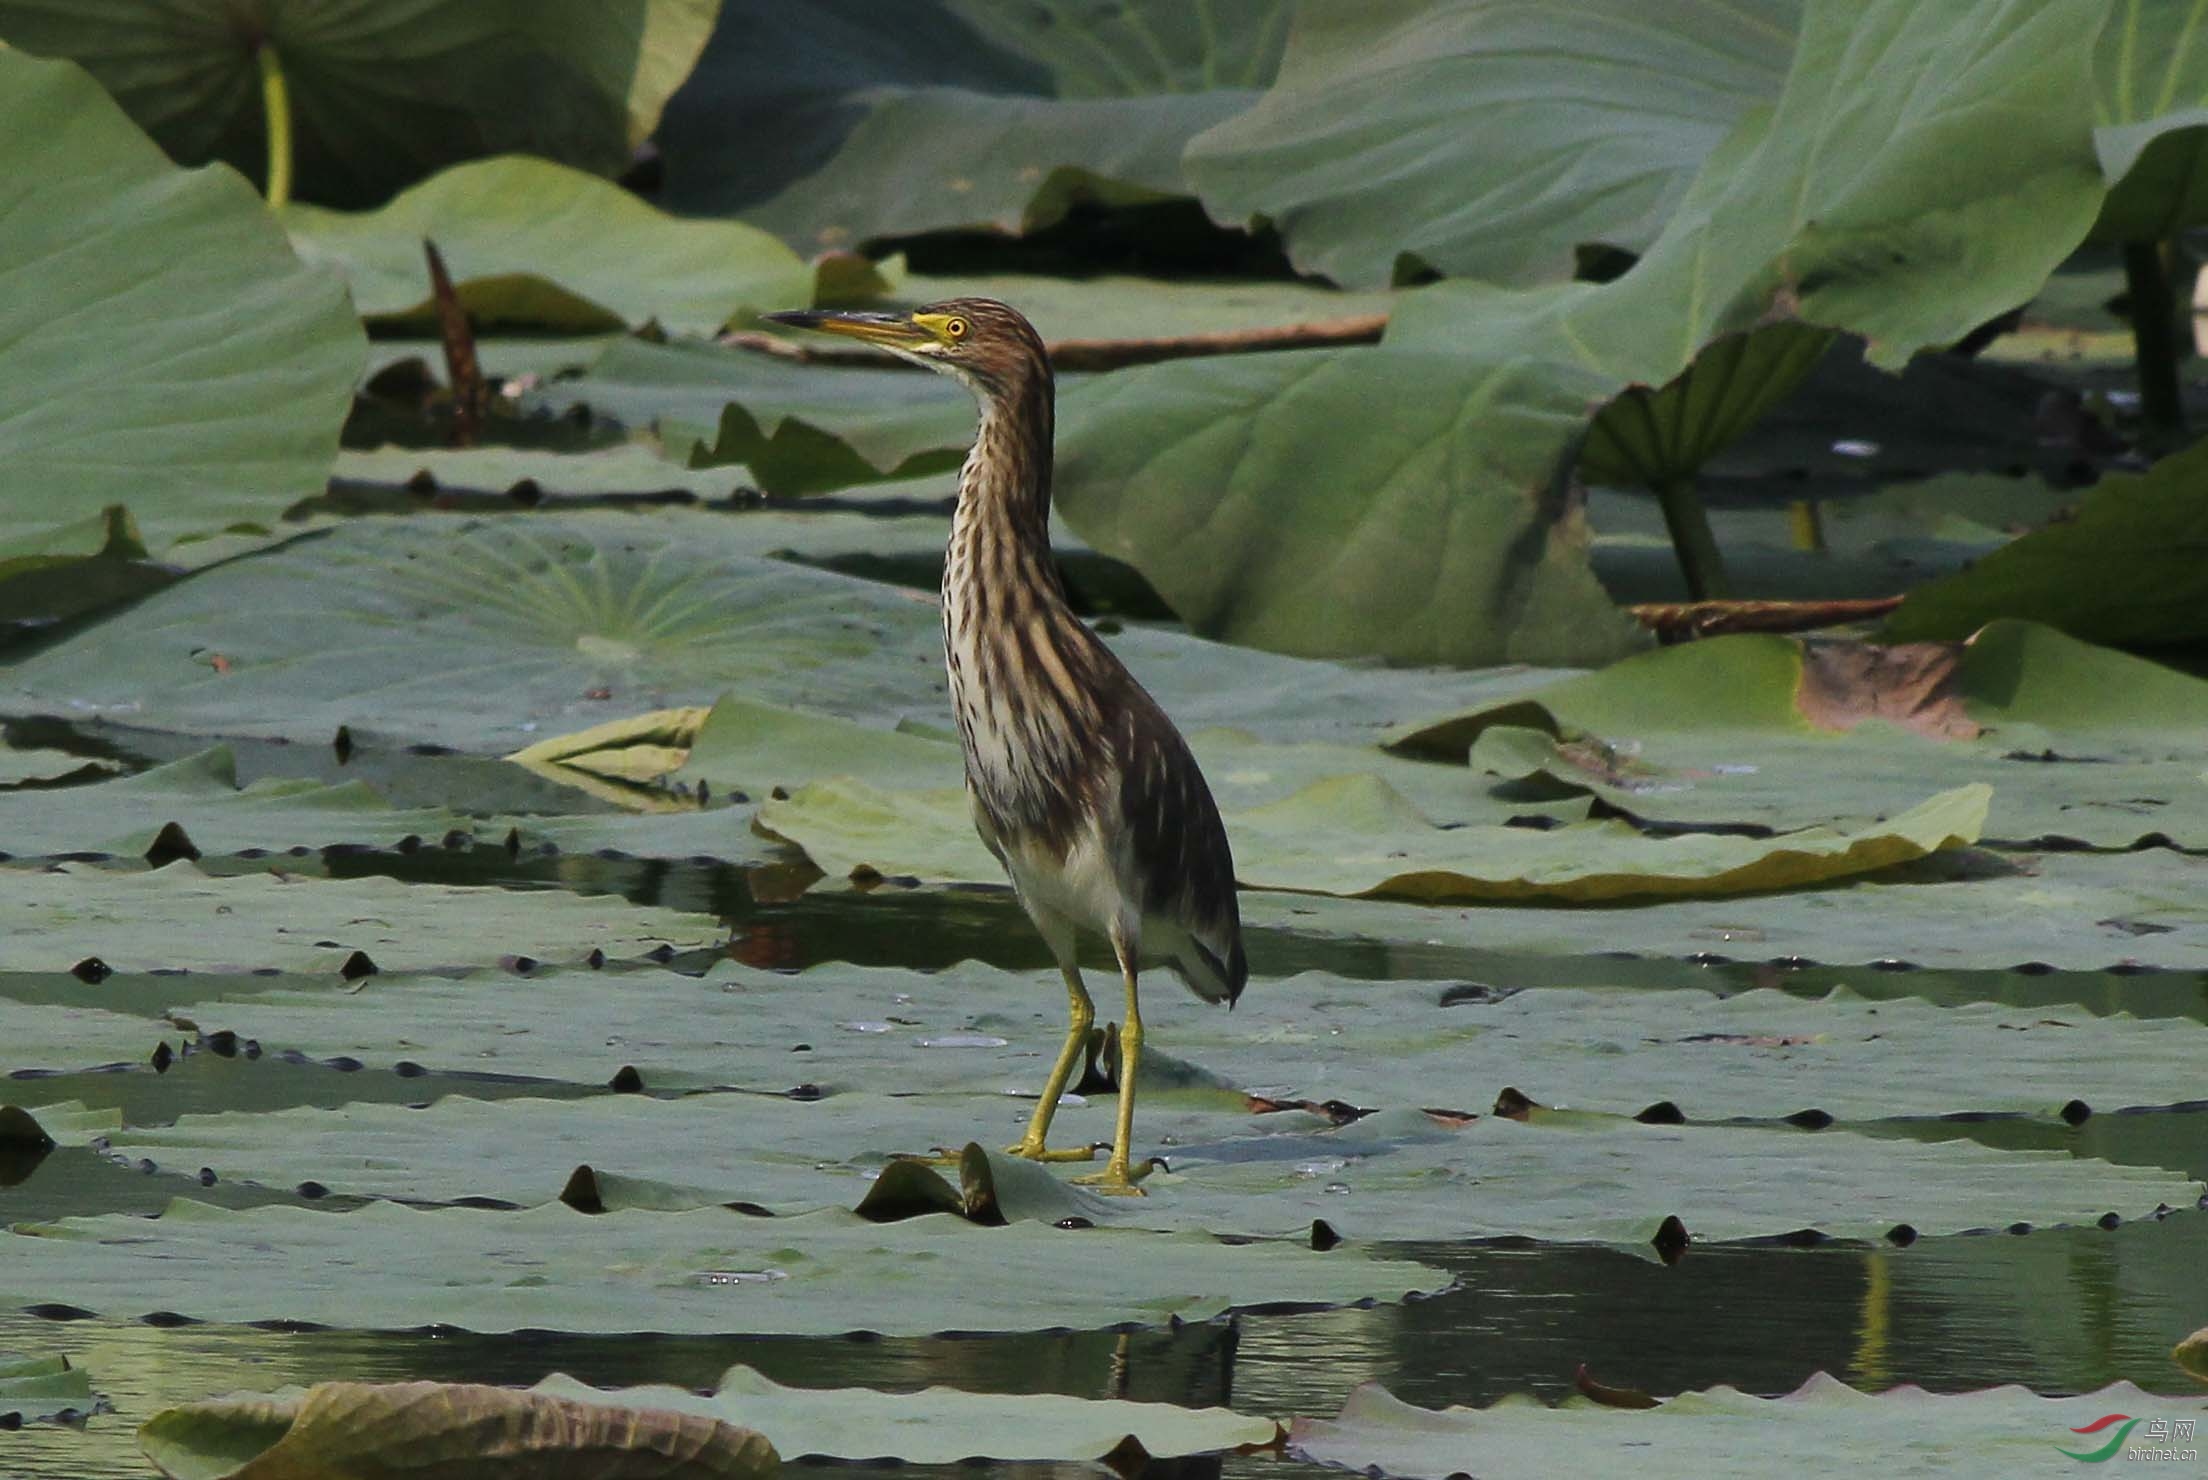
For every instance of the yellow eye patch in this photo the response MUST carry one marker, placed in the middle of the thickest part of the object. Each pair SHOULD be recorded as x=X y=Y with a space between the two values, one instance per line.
x=948 y=327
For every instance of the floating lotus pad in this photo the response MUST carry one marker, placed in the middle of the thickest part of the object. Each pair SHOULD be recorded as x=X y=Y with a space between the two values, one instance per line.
x=1357 y=836
x=180 y=918
x=938 y=1425
x=709 y=1271
x=35 y=1388
x=2078 y=741
x=2072 y=911
x=1398 y=1174
x=1726 y=1434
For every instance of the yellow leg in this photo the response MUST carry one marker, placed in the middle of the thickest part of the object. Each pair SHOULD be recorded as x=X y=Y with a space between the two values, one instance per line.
x=1115 y=1177
x=1081 y=1015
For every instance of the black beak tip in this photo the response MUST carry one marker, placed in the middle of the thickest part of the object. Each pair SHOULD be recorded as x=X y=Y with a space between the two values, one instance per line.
x=799 y=318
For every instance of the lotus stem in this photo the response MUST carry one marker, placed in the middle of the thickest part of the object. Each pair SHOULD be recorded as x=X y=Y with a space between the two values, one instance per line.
x=276 y=104
x=2154 y=338
x=1691 y=539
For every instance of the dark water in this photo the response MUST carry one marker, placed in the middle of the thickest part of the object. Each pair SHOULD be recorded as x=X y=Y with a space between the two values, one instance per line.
x=2060 y=1310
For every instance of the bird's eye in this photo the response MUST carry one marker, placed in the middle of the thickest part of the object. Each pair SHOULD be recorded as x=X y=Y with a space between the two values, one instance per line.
x=954 y=328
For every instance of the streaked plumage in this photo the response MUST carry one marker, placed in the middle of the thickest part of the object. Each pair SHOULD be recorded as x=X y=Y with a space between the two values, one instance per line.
x=1080 y=785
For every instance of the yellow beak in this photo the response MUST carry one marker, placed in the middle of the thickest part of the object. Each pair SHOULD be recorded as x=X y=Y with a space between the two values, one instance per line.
x=892 y=330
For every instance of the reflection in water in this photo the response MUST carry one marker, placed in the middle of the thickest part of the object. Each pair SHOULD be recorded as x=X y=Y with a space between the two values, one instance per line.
x=2060 y=1310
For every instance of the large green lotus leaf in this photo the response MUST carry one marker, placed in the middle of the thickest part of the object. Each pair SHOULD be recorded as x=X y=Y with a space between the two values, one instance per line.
x=160 y=346
x=35 y=1388
x=1890 y=191
x=708 y=1271
x=1436 y=535
x=939 y=1425
x=1355 y=835
x=2128 y=569
x=1726 y=1434
x=1972 y=911
x=425 y=1428
x=386 y=92
x=844 y=123
x=476 y=634
x=2153 y=120
x=486 y=634
x=2080 y=742
x=179 y=918
x=533 y=244
x=1488 y=139
x=1761 y=1055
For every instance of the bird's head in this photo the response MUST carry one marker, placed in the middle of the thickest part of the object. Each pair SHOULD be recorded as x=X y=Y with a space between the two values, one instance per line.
x=979 y=341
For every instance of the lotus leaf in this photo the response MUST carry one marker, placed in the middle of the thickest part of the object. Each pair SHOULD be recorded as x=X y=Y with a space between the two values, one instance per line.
x=534 y=244
x=2148 y=526
x=1357 y=836
x=383 y=93
x=34 y=1388
x=700 y=1272
x=2060 y=910
x=843 y=124
x=2080 y=742
x=2152 y=121
x=1488 y=139
x=1723 y=1433
x=180 y=918
x=160 y=346
x=357 y=1428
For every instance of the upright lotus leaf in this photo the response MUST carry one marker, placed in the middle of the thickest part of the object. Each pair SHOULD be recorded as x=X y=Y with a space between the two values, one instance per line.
x=1654 y=437
x=1488 y=139
x=1890 y=191
x=536 y=245
x=2152 y=118
x=1438 y=533
x=842 y=123
x=382 y=93
x=160 y=346
x=178 y=918
x=2080 y=743
x=1356 y=836
x=1726 y=1434
x=705 y=1272
x=428 y=1428
x=2130 y=569
x=36 y=1388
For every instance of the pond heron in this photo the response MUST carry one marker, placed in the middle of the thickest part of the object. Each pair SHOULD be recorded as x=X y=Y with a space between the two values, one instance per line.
x=1079 y=783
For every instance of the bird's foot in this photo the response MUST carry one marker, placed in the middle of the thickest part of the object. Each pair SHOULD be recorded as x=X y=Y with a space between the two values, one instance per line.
x=1035 y=1150
x=1114 y=1180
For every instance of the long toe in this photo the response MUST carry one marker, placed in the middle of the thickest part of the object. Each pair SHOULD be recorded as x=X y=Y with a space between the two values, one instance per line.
x=1113 y=1181
x=1037 y=1151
